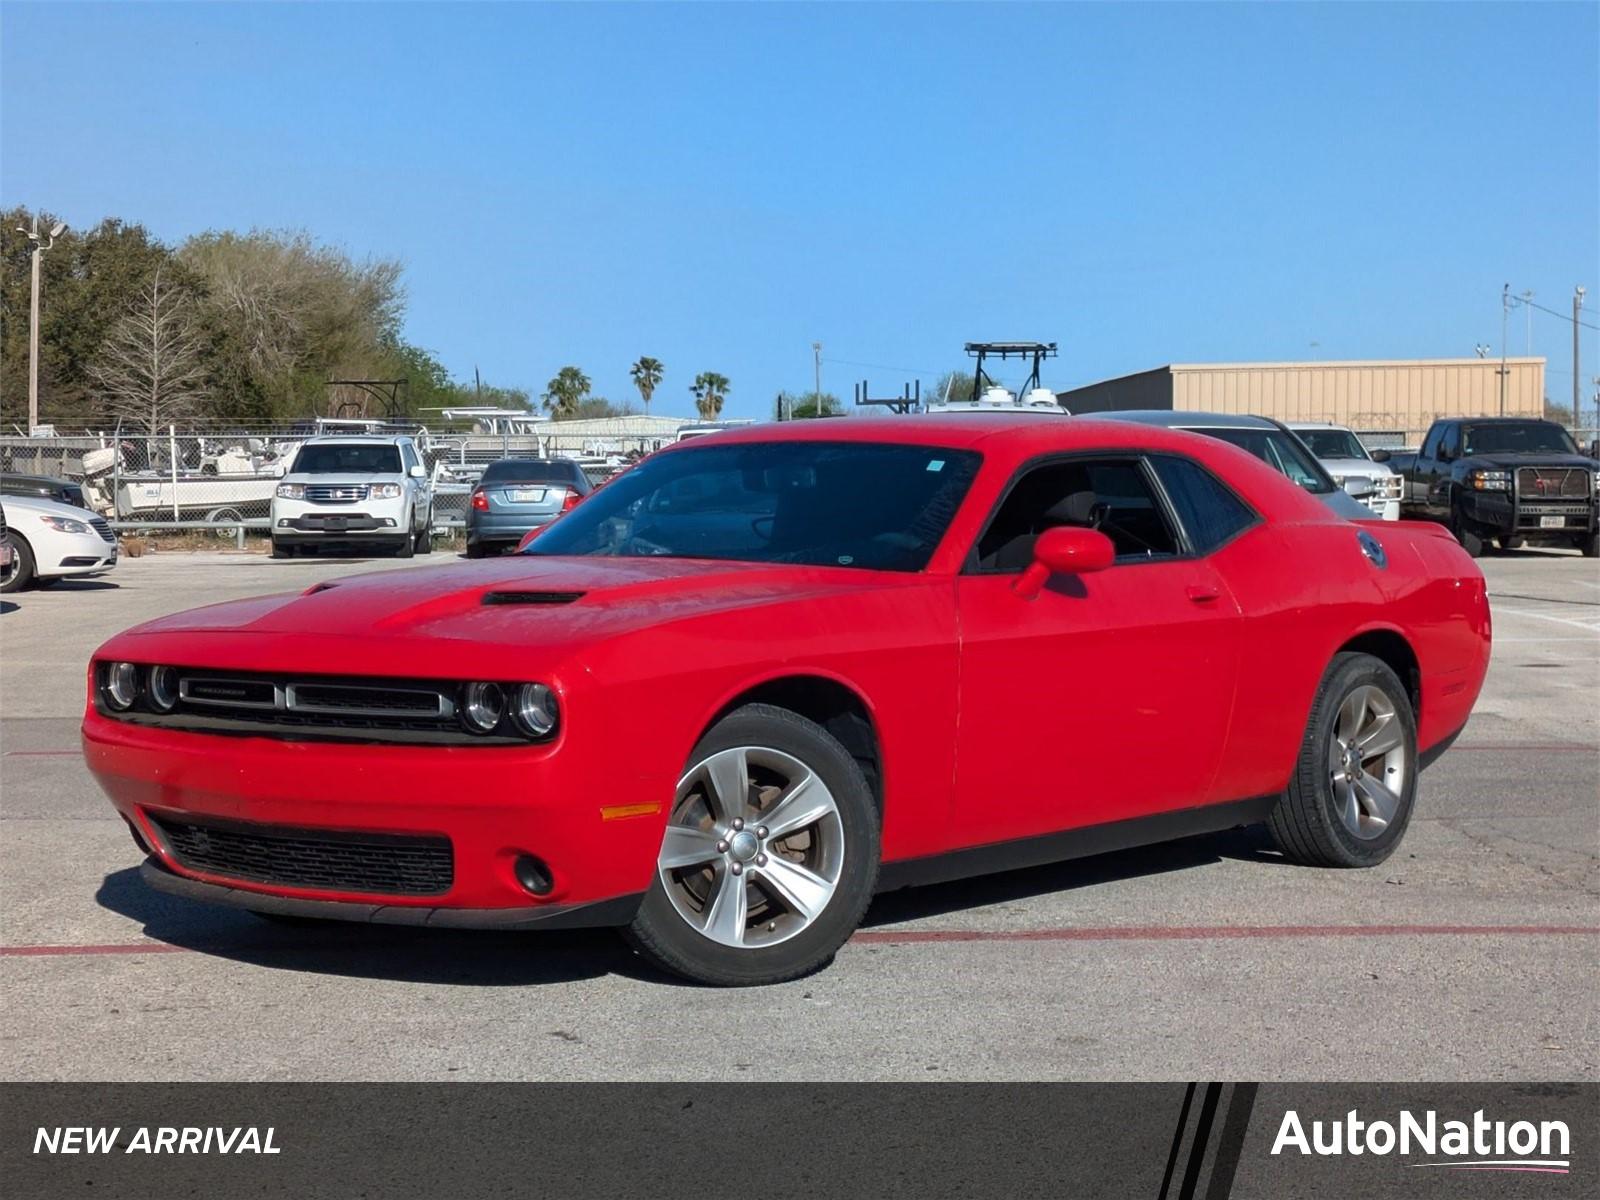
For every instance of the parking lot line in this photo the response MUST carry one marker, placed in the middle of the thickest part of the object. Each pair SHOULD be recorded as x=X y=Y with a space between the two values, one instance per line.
x=1104 y=933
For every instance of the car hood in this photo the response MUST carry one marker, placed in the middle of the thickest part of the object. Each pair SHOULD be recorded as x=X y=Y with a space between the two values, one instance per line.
x=1507 y=462
x=522 y=601
x=1355 y=466
x=344 y=478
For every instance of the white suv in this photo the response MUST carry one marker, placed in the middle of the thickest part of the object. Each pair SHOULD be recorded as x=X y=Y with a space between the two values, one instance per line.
x=354 y=491
x=1373 y=483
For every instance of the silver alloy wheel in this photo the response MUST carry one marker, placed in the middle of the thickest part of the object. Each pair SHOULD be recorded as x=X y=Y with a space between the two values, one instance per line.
x=754 y=848
x=1367 y=762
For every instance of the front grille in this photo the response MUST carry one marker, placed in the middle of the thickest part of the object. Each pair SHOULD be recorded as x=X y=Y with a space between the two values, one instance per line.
x=1553 y=483
x=315 y=859
x=346 y=493
x=102 y=528
x=312 y=708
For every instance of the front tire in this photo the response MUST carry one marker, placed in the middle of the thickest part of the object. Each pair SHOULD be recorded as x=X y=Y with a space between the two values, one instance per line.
x=1590 y=546
x=280 y=550
x=424 y=540
x=1354 y=784
x=21 y=569
x=769 y=858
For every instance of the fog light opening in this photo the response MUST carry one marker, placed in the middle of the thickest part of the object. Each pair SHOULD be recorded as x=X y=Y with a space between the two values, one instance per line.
x=533 y=875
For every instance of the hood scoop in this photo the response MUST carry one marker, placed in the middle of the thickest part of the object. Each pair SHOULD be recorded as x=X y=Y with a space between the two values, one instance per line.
x=525 y=597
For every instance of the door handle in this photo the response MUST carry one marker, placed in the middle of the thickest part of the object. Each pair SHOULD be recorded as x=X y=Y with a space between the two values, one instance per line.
x=1201 y=593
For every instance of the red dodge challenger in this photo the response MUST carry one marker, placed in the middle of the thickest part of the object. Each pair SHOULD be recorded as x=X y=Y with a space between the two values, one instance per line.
x=768 y=673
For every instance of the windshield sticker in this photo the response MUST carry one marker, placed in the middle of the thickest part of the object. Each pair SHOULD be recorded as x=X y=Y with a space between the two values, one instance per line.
x=936 y=465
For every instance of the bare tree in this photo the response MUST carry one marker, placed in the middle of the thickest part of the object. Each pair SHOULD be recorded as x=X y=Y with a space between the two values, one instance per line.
x=150 y=369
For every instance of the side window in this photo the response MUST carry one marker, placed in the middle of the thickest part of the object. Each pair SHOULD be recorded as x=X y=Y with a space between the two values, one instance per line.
x=1430 y=447
x=1111 y=496
x=1208 y=511
x=408 y=452
x=1450 y=447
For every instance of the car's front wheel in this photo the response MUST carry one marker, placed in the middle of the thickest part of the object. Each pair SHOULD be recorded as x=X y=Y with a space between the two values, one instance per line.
x=769 y=858
x=22 y=566
x=1355 y=781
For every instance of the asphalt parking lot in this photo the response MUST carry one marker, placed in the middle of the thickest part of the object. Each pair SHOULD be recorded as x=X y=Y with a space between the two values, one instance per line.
x=1473 y=954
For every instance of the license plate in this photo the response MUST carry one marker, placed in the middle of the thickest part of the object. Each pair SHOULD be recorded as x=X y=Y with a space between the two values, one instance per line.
x=336 y=524
x=527 y=495
x=1552 y=522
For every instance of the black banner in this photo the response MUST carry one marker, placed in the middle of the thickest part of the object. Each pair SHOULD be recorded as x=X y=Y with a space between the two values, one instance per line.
x=1162 y=1141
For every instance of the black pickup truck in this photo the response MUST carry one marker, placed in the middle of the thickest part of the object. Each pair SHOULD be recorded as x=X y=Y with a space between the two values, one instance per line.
x=1509 y=480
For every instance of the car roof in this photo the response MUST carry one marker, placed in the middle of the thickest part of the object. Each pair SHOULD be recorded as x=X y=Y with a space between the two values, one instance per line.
x=1318 y=425
x=1179 y=419
x=47 y=506
x=1024 y=433
x=52 y=480
x=366 y=439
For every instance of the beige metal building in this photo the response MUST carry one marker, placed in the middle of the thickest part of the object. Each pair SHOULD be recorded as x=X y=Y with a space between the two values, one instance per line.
x=1397 y=400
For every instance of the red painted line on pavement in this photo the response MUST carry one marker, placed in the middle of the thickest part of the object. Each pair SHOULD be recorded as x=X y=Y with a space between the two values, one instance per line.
x=1110 y=933
x=114 y=948
x=1167 y=933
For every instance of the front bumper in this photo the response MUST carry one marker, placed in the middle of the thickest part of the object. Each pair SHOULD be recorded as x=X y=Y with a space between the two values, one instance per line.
x=1521 y=516
x=544 y=916
x=597 y=838
x=302 y=521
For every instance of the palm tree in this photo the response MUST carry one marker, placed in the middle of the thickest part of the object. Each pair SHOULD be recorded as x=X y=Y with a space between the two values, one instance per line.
x=646 y=374
x=563 y=393
x=710 y=390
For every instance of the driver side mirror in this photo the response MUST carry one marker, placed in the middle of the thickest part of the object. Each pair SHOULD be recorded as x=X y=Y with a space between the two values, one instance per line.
x=1064 y=550
x=418 y=472
x=1380 y=456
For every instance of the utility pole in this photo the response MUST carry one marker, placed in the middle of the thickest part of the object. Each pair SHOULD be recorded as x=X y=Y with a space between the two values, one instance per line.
x=1505 y=313
x=1527 y=303
x=1577 y=307
x=40 y=245
x=816 y=354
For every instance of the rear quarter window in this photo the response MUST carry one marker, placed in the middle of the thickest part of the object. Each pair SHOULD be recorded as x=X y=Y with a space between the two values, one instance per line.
x=1211 y=515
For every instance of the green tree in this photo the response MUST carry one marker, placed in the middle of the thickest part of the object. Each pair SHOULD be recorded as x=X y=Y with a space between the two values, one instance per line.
x=89 y=279
x=799 y=406
x=647 y=373
x=592 y=407
x=710 y=390
x=565 y=392
x=954 y=386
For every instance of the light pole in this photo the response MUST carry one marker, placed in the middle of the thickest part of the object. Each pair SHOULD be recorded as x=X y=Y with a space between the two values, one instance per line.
x=40 y=245
x=816 y=354
x=1505 y=313
x=1527 y=303
x=1577 y=307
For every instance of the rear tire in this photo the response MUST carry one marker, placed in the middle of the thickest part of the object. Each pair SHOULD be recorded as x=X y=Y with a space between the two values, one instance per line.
x=22 y=569
x=1354 y=784
x=733 y=904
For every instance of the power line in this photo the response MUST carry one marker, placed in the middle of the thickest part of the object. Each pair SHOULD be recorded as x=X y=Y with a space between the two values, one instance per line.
x=1565 y=319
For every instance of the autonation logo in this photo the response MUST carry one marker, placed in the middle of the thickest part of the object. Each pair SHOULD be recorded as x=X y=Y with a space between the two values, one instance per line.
x=1476 y=1145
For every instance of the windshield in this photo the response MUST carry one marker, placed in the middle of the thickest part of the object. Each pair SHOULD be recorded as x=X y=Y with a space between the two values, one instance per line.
x=849 y=504
x=531 y=470
x=347 y=458
x=1516 y=437
x=1282 y=452
x=1332 y=443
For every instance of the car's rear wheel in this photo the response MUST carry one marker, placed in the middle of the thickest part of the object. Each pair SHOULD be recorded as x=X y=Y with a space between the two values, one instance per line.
x=769 y=858
x=1355 y=781
x=474 y=549
x=21 y=569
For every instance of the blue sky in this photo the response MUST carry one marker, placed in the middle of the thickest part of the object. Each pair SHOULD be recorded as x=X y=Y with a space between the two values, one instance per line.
x=719 y=186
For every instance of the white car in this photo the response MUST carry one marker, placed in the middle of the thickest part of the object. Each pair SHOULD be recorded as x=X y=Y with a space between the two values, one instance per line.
x=50 y=541
x=354 y=491
x=1373 y=483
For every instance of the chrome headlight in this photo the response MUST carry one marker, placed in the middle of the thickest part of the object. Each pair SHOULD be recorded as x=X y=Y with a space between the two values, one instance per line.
x=120 y=687
x=65 y=524
x=1490 y=481
x=534 y=710
x=163 y=688
x=386 y=491
x=291 y=491
x=482 y=706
